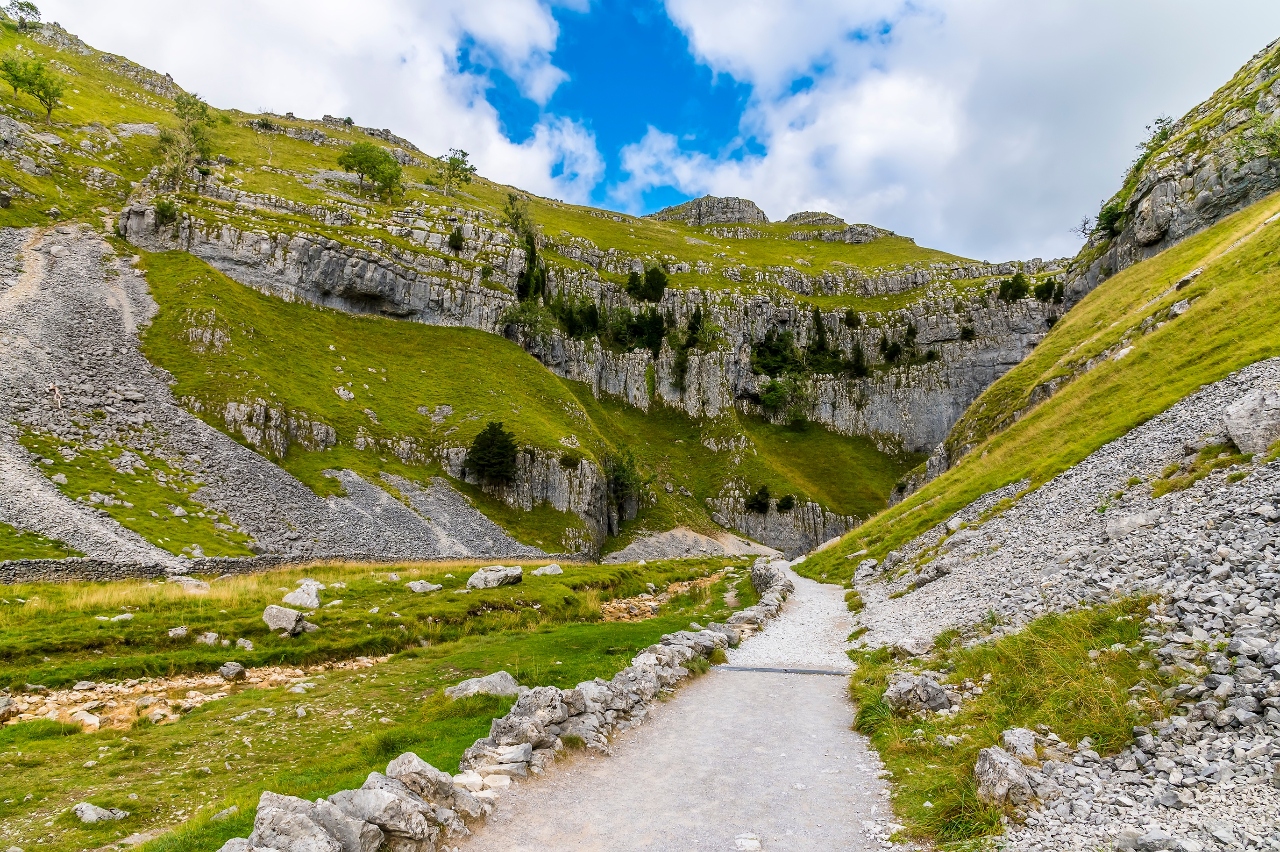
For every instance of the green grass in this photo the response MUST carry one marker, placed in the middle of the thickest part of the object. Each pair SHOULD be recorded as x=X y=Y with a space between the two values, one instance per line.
x=1233 y=321
x=397 y=704
x=55 y=634
x=24 y=544
x=1043 y=675
x=144 y=500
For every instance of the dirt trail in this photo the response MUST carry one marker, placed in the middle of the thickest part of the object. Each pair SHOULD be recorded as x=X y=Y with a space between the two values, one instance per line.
x=737 y=757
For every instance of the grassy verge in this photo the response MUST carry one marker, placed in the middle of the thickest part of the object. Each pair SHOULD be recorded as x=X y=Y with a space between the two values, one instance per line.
x=1060 y=672
x=1232 y=321
x=24 y=544
x=175 y=776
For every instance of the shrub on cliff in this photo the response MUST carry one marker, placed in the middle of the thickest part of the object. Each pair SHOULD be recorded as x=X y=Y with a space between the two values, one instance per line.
x=649 y=287
x=758 y=502
x=1015 y=288
x=492 y=455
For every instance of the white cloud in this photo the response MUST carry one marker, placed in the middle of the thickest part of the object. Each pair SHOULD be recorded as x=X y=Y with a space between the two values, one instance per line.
x=388 y=63
x=985 y=127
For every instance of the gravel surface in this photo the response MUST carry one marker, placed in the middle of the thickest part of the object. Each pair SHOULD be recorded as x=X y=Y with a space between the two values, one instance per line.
x=734 y=755
x=70 y=311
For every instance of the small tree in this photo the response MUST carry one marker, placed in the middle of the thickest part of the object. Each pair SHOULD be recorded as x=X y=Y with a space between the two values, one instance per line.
x=372 y=163
x=1015 y=288
x=456 y=239
x=46 y=87
x=786 y=502
x=457 y=169
x=492 y=455
x=15 y=71
x=25 y=12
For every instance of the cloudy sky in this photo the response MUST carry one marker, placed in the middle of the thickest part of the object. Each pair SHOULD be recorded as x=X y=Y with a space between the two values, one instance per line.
x=983 y=127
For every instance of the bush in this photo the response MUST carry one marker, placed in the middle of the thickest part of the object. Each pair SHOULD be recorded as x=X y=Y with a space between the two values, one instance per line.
x=786 y=502
x=492 y=455
x=776 y=354
x=580 y=318
x=1111 y=219
x=623 y=481
x=775 y=396
x=166 y=212
x=967 y=333
x=456 y=240
x=570 y=460
x=1015 y=288
x=1043 y=290
x=758 y=502
x=891 y=351
x=852 y=319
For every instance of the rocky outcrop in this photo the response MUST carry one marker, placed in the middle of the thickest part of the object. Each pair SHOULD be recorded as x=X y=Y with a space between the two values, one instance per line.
x=710 y=210
x=794 y=532
x=1217 y=159
x=809 y=217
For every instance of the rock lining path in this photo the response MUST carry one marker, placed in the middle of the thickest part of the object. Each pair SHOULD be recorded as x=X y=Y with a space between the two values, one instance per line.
x=734 y=753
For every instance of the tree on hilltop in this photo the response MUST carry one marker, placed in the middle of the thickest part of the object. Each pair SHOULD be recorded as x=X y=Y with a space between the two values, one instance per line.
x=25 y=12
x=457 y=169
x=372 y=163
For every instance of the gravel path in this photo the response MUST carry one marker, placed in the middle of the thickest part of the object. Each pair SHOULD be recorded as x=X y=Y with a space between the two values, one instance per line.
x=734 y=753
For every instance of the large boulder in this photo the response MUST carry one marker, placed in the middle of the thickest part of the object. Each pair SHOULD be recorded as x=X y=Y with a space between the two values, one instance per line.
x=498 y=683
x=90 y=813
x=492 y=576
x=1253 y=421
x=283 y=619
x=1021 y=743
x=421 y=777
x=290 y=831
x=910 y=693
x=1001 y=778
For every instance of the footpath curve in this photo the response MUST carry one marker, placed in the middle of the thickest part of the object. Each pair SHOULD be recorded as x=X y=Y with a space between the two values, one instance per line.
x=739 y=759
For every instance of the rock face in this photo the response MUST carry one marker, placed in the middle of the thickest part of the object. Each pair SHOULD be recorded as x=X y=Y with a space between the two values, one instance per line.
x=1254 y=422
x=710 y=210
x=794 y=532
x=1000 y=777
x=493 y=576
x=1214 y=163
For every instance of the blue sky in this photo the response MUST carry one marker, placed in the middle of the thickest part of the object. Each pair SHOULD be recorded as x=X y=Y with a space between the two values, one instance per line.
x=983 y=127
x=628 y=67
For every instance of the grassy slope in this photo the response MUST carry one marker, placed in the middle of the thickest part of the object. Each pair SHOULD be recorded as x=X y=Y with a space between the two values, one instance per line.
x=394 y=368
x=1233 y=321
x=395 y=704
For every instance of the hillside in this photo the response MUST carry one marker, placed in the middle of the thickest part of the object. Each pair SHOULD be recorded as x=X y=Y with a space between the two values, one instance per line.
x=816 y=340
